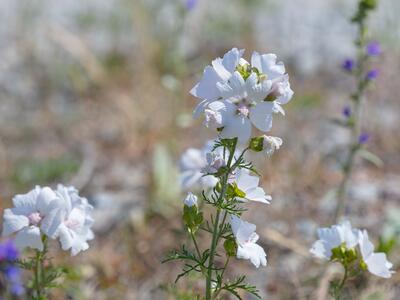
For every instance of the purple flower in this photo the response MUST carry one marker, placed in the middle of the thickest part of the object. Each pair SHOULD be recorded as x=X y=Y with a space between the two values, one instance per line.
x=374 y=49
x=348 y=65
x=191 y=4
x=371 y=75
x=346 y=111
x=8 y=251
x=363 y=138
x=13 y=276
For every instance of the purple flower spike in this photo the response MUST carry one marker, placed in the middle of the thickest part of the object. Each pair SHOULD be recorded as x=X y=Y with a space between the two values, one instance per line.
x=348 y=65
x=346 y=111
x=8 y=251
x=371 y=75
x=374 y=49
x=363 y=138
x=191 y=4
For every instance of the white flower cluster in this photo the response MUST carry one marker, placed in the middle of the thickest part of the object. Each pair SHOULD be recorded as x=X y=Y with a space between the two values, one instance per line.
x=57 y=214
x=236 y=94
x=344 y=236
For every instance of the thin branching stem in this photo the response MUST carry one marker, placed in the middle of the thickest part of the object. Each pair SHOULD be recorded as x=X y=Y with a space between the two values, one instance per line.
x=216 y=232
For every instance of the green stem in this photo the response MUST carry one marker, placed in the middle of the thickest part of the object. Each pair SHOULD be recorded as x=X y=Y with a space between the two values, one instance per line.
x=211 y=259
x=338 y=293
x=37 y=276
x=195 y=244
x=216 y=232
x=222 y=277
x=39 y=271
x=355 y=124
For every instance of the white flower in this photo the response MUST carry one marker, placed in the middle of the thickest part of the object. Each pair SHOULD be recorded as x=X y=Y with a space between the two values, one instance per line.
x=376 y=263
x=249 y=185
x=243 y=106
x=38 y=212
x=220 y=70
x=190 y=200
x=280 y=93
x=192 y=164
x=215 y=161
x=246 y=239
x=242 y=95
x=271 y=144
x=333 y=237
x=75 y=230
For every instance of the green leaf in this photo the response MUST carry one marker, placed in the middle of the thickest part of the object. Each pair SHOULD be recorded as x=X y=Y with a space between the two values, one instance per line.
x=372 y=158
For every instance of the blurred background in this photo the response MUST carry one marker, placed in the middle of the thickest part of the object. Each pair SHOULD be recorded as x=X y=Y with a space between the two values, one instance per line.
x=96 y=94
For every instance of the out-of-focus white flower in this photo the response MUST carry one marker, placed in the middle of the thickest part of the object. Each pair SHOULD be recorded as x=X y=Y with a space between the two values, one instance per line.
x=271 y=144
x=212 y=116
x=38 y=212
x=75 y=230
x=190 y=200
x=377 y=263
x=333 y=237
x=192 y=164
x=248 y=184
x=215 y=161
x=220 y=70
x=246 y=239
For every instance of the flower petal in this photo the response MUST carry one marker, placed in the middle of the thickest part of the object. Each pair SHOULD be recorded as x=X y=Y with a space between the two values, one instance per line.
x=254 y=252
x=13 y=222
x=266 y=63
x=237 y=126
x=378 y=265
x=29 y=237
x=261 y=115
x=231 y=59
x=206 y=88
x=25 y=204
x=245 y=181
x=45 y=200
x=258 y=194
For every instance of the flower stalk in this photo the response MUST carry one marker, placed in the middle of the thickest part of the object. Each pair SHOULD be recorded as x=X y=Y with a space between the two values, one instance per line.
x=362 y=78
x=39 y=271
x=216 y=232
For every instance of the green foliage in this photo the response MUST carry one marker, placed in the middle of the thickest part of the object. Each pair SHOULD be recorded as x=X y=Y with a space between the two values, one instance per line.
x=344 y=255
x=165 y=179
x=234 y=286
x=192 y=217
x=364 y=7
x=386 y=245
x=30 y=172
x=225 y=199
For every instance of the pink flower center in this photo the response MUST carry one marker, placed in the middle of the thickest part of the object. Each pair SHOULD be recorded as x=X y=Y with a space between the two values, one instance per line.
x=34 y=218
x=243 y=109
x=72 y=224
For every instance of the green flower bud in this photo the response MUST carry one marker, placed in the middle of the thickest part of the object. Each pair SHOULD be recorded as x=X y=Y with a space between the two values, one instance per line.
x=363 y=265
x=257 y=143
x=368 y=4
x=192 y=218
x=230 y=246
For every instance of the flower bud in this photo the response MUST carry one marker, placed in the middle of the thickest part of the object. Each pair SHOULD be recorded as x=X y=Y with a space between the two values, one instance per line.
x=190 y=200
x=271 y=144
x=230 y=247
